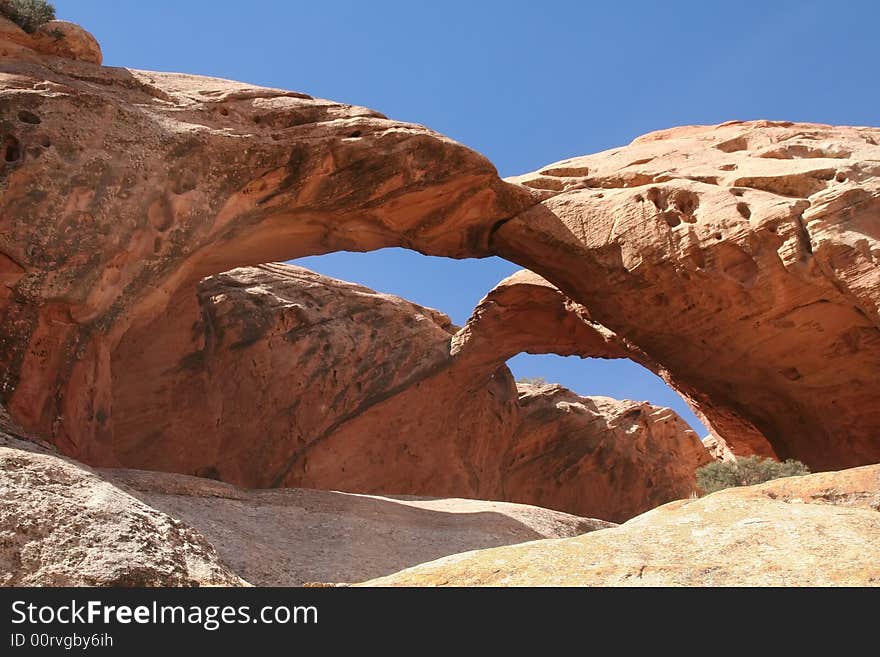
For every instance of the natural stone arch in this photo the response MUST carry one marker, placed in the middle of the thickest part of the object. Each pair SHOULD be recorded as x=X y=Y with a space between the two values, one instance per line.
x=105 y=239
x=743 y=259
x=101 y=266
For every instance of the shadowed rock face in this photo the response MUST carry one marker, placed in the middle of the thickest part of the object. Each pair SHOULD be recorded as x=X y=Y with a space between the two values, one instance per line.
x=307 y=381
x=599 y=454
x=817 y=530
x=742 y=260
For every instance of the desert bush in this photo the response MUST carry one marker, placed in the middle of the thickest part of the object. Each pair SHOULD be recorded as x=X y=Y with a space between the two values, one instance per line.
x=745 y=471
x=28 y=14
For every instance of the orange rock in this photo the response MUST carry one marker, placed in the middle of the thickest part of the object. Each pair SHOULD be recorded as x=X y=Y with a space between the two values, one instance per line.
x=55 y=38
x=597 y=455
x=741 y=260
x=114 y=208
x=737 y=261
x=65 y=39
x=307 y=381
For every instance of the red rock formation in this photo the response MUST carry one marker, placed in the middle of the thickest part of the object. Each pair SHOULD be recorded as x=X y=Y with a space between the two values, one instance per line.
x=738 y=262
x=113 y=208
x=307 y=381
x=742 y=260
x=597 y=454
x=54 y=38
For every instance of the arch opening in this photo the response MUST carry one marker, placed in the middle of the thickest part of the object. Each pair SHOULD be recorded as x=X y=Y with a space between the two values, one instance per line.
x=619 y=378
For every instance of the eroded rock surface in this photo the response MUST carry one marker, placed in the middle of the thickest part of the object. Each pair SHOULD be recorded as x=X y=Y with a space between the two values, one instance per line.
x=122 y=189
x=736 y=261
x=54 y=38
x=817 y=530
x=64 y=524
x=290 y=537
x=61 y=524
x=585 y=454
x=741 y=260
x=308 y=381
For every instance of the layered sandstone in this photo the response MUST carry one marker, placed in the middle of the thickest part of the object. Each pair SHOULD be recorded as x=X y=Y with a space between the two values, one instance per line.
x=307 y=381
x=122 y=189
x=817 y=530
x=741 y=260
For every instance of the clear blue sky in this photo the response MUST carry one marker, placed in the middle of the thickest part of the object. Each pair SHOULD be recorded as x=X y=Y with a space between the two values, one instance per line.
x=525 y=83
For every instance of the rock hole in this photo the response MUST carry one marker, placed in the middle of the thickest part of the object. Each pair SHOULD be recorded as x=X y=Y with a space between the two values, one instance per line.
x=840 y=177
x=791 y=373
x=29 y=117
x=11 y=149
x=686 y=202
x=258 y=120
x=356 y=133
x=718 y=236
x=672 y=218
x=743 y=209
x=224 y=111
x=45 y=142
x=655 y=197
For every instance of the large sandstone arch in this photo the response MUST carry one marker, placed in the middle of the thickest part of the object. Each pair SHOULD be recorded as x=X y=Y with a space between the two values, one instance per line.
x=740 y=261
x=741 y=257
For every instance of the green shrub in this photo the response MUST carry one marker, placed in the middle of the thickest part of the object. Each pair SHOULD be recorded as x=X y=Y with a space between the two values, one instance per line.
x=28 y=14
x=745 y=471
x=532 y=380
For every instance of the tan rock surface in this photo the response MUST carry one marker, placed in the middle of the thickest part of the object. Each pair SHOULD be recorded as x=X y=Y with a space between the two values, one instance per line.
x=290 y=537
x=817 y=530
x=63 y=525
x=741 y=260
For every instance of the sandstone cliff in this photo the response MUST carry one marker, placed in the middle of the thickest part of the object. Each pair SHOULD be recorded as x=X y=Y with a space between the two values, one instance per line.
x=120 y=190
